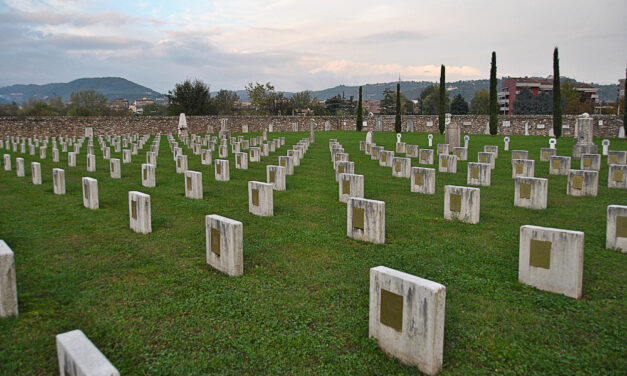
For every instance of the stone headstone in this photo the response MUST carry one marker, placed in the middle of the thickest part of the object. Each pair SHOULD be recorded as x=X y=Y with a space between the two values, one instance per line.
x=350 y=185
x=401 y=167
x=466 y=140
x=430 y=137
x=452 y=134
x=365 y=220
x=423 y=180
x=506 y=143
x=526 y=129
x=369 y=137
x=462 y=203
x=606 y=146
x=551 y=260
x=224 y=243
x=148 y=177
x=182 y=127
x=617 y=176
x=616 y=232
x=531 y=192
x=479 y=174
x=193 y=184
x=139 y=212
x=559 y=165
x=407 y=317
x=35 y=170
x=8 y=285
x=58 y=181
x=552 y=143
x=78 y=356
x=260 y=198
x=275 y=175
x=90 y=193
x=221 y=167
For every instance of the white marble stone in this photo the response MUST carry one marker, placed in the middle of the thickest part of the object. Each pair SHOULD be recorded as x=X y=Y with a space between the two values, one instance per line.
x=443 y=149
x=376 y=152
x=407 y=317
x=385 y=158
x=411 y=151
x=520 y=154
x=148 y=175
x=78 y=356
x=206 y=158
x=55 y=155
x=139 y=212
x=491 y=149
x=479 y=174
x=401 y=147
x=426 y=157
x=241 y=161
x=90 y=193
x=35 y=170
x=447 y=163
x=523 y=168
x=365 y=220
x=343 y=167
x=8 y=284
x=582 y=183
x=559 y=165
x=275 y=175
x=193 y=184
x=58 y=181
x=616 y=157
x=260 y=198
x=423 y=180
x=551 y=260
x=462 y=204
x=115 y=169
x=617 y=176
x=126 y=156
x=546 y=153
x=286 y=161
x=223 y=151
x=91 y=163
x=221 y=168
x=225 y=244
x=19 y=167
x=487 y=157
x=71 y=159
x=531 y=193
x=590 y=162
x=181 y=164
x=350 y=185
x=151 y=158
x=616 y=233
x=7 y=162
x=42 y=152
x=401 y=167
x=461 y=153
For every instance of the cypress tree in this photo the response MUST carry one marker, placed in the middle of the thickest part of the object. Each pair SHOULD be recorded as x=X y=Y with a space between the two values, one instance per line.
x=397 y=119
x=360 y=113
x=557 y=96
x=625 y=105
x=442 y=104
x=494 y=106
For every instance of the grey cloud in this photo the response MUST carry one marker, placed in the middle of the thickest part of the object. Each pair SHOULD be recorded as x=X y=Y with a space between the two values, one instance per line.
x=389 y=36
x=65 y=18
x=75 y=42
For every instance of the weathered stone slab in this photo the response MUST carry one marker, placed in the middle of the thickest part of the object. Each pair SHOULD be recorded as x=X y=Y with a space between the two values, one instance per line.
x=590 y=162
x=90 y=193
x=19 y=167
x=148 y=175
x=492 y=149
x=115 y=170
x=8 y=284
x=546 y=154
x=181 y=164
x=407 y=317
x=286 y=161
x=35 y=170
x=559 y=165
x=193 y=184
x=531 y=192
x=462 y=203
x=551 y=260
x=523 y=168
x=365 y=220
x=401 y=167
x=78 y=356
x=443 y=149
x=520 y=154
x=221 y=167
x=260 y=198
x=423 y=180
x=343 y=167
x=487 y=157
x=58 y=181
x=139 y=212
x=582 y=183
x=275 y=175
x=426 y=157
x=616 y=157
x=241 y=161
x=616 y=233
x=447 y=163
x=350 y=185
x=479 y=174
x=225 y=244
x=617 y=176
x=461 y=153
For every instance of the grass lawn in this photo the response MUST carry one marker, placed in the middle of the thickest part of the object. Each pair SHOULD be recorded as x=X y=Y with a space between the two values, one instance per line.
x=153 y=306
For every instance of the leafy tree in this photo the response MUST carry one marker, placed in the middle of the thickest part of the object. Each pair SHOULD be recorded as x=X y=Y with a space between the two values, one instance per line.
x=388 y=103
x=56 y=105
x=191 y=98
x=423 y=96
x=459 y=106
x=301 y=100
x=543 y=103
x=431 y=104
x=87 y=103
x=224 y=101
x=408 y=106
x=153 y=109
x=494 y=106
x=557 y=100
x=36 y=107
x=266 y=100
x=442 y=102
x=480 y=103
x=340 y=106
x=397 y=118
x=523 y=104
x=574 y=102
x=9 y=109
x=360 y=112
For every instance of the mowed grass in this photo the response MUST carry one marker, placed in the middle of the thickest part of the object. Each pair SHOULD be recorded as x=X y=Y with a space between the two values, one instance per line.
x=153 y=306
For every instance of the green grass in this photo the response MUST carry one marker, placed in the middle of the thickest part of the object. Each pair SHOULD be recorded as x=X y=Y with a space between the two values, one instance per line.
x=152 y=305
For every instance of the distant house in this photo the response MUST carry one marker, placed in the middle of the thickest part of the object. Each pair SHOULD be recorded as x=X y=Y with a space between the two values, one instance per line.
x=512 y=86
x=373 y=106
x=139 y=103
x=119 y=104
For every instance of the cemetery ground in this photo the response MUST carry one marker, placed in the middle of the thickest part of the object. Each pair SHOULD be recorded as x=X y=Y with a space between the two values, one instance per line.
x=153 y=306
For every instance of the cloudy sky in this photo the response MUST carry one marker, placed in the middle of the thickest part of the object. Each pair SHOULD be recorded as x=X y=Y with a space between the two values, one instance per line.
x=298 y=45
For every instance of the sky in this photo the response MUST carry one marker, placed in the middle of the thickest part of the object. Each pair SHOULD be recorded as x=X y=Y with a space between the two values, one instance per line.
x=308 y=45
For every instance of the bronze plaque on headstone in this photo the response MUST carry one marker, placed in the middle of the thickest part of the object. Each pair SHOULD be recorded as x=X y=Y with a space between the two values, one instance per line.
x=146 y=174
x=557 y=164
x=391 y=310
x=384 y=157
x=272 y=176
x=423 y=155
x=519 y=168
x=613 y=159
x=340 y=169
x=178 y=162
x=283 y=162
x=219 y=168
x=545 y=155
x=617 y=175
x=112 y=167
x=621 y=227
x=134 y=209
x=525 y=191
x=397 y=166
x=587 y=162
x=455 y=203
x=337 y=157
x=239 y=160
x=418 y=178
x=86 y=190
x=540 y=254
x=577 y=182
x=189 y=183
x=445 y=162
x=440 y=148
x=255 y=193
x=358 y=218
x=458 y=153
x=516 y=156
x=346 y=187
x=482 y=159
x=215 y=241
x=474 y=172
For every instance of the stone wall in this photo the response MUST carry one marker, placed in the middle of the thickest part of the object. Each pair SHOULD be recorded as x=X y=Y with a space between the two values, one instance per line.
x=605 y=126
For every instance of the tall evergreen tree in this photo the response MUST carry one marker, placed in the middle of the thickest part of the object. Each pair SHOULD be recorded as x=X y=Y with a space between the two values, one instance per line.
x=360 y=113
x=442 y=104
x=494 y=106
x=625 y=105
x=397 y=118
x=557 y=96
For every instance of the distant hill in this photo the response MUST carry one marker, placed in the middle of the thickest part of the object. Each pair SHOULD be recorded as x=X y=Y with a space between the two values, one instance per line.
x=111 y=87
x=412 y=90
